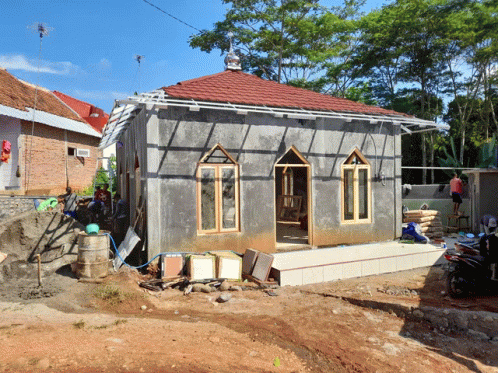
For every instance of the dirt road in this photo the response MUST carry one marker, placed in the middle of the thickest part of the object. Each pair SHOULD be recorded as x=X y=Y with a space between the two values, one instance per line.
x=118 y=327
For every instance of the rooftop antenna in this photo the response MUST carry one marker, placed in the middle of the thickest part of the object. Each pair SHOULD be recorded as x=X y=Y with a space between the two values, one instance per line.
x=139 y=59
x=42 y=30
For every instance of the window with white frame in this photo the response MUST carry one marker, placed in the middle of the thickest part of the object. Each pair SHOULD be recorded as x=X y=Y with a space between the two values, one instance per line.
x=217 y=192
x=356 y=189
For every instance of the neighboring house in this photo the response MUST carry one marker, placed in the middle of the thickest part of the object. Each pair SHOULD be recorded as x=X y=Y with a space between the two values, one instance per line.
x=51 y=147
x=230 y=161
x=94 y=116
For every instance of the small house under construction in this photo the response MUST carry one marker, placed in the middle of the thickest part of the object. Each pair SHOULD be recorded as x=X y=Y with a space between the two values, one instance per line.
x=233 y=161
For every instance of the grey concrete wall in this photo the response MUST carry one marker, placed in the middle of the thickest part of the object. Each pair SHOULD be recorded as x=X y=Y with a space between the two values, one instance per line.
x=133 y=147
x=176 y=140
x=488 y=196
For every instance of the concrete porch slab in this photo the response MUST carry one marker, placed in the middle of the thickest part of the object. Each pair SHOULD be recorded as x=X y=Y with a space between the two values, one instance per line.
x=327 y=264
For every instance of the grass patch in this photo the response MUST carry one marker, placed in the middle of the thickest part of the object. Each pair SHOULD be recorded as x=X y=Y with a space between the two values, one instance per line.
x=115 y=323
x=111 y=294
x=79 y=324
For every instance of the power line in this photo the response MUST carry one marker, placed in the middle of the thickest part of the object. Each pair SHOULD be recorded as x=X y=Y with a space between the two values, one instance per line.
x=172 y=16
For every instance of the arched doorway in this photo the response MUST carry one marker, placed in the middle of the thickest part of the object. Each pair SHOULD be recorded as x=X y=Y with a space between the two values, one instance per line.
x=293 y=201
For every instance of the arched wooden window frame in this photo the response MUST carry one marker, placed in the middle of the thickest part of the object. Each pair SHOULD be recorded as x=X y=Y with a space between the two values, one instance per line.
x=353 y=172
x=217 y=171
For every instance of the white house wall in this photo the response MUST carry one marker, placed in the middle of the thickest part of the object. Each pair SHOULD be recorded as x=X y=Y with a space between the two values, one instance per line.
x=10 y=130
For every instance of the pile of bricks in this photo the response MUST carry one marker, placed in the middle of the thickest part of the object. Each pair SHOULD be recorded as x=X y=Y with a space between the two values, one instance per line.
x=429 y=221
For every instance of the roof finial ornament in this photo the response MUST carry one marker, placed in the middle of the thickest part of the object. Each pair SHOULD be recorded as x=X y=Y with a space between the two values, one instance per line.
x=232 y=61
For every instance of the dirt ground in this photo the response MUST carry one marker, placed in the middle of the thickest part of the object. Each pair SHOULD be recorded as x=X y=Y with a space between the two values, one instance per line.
x=116 y=326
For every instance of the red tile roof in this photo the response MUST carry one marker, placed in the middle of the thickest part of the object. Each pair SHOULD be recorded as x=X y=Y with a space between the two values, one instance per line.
x=93 y=115
x=237 y=87
x=20 y=95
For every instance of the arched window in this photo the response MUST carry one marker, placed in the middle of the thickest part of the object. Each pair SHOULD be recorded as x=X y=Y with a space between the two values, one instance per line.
x=217 y=192
x=356 y=189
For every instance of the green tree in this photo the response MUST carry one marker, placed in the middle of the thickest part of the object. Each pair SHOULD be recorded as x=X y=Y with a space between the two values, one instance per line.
x=286 y=41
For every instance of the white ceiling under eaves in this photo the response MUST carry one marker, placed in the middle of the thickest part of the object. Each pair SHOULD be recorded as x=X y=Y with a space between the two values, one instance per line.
x=51 y=120
x=124 y=112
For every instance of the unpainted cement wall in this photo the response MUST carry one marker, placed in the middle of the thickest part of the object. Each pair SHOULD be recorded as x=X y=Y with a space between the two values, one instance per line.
x=437 y=197
x=177 y=139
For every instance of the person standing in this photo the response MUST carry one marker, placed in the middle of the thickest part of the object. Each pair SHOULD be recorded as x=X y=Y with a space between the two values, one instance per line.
x=456 y=190
x=70 y=203
x=105 y=197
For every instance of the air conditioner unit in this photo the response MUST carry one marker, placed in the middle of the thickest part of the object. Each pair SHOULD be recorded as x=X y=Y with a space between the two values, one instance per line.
x=83 y=153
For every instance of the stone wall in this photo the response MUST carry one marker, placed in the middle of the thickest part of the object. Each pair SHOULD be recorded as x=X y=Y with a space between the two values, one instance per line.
x=11 y=206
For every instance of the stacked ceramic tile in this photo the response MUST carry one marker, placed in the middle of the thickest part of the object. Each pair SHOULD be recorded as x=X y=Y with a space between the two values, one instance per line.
x=429 y=221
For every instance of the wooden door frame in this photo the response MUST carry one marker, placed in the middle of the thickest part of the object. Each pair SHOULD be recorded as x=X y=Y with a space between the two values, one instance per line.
x=308 y=197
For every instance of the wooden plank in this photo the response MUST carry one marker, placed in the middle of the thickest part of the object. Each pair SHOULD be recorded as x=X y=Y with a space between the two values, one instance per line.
x=259 y=282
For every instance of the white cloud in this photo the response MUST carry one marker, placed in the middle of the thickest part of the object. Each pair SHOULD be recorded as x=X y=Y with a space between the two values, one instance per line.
x=105 y=63
x=20 y=62
x=100 y=95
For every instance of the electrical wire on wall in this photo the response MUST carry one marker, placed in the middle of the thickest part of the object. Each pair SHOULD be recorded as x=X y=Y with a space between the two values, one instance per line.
x=42 y=30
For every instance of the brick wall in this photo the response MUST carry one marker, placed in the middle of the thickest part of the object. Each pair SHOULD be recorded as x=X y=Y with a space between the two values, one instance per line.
x=44 y=162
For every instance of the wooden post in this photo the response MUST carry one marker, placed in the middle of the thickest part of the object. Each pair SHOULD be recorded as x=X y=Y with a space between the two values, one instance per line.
x=38 y=257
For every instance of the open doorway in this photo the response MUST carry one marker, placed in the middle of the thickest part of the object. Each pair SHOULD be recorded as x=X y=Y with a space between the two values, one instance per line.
x=292 y=201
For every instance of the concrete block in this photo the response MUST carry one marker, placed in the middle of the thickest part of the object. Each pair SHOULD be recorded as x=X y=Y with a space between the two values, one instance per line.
x=370 y=267
x=312 y=275
x=293 y=277
x=352 y=269
x=387 y=265
x=332 y=272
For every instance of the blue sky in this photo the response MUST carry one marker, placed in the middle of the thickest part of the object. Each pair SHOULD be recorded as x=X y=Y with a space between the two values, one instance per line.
x=89 y=51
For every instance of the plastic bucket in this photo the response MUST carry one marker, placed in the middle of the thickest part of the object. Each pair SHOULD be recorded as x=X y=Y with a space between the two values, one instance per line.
x=93 y=255
x=92 y=229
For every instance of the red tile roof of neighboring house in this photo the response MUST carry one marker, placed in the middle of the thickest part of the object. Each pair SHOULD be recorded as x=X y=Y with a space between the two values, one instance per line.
x=20 y=95
x=93 y=115
x=237 y=87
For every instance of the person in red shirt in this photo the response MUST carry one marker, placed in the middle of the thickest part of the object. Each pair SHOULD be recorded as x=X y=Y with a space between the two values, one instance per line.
x=106 y=197
x=456 y=190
